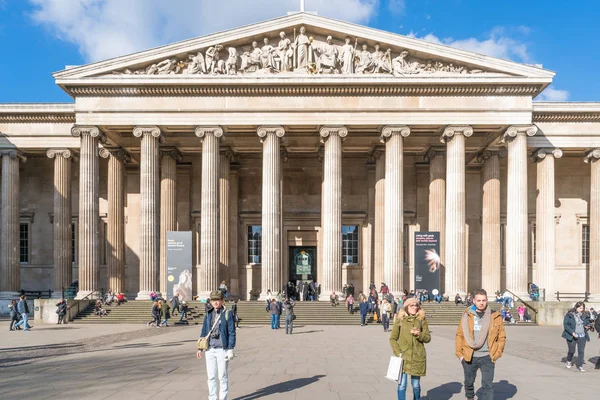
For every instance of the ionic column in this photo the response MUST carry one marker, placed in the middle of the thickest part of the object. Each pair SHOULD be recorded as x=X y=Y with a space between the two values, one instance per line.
x=544 y=220
x=271 y=273
x=331 y=217
x=393 y=137
x=149 y=210
x=437 y=195
x=456 y=239
x=207 y=275
x=168 y=207
x=516 y=213
x=490 y=221
x=379 y=239
x=224 y=198
x=593 y=158
x=10 y=220
x=89 y=220
x=63 y=265
x=115 y=228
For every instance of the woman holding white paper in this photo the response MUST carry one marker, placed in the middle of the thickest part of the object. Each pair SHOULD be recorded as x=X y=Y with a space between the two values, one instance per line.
x=408 y=338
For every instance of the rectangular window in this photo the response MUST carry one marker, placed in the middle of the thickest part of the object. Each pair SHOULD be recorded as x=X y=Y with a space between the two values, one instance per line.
x=24 y=244
x=254 y=244
x=585 y=244
x=350 y=244
x=502 y=244
x=405 y=241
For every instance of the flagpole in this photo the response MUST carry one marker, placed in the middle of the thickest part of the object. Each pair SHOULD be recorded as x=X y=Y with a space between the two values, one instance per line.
x=301 y=5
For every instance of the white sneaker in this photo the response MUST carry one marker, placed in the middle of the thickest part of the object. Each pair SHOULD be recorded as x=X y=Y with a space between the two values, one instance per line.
x=580 y=369
x=569 y=364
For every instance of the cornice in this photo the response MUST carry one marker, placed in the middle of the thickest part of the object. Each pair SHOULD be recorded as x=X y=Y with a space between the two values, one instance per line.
x=566 y=117
x=303 y=89
x=38 y=118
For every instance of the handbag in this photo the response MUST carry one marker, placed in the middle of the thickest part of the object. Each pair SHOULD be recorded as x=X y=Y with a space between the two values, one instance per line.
x=293 y=317
x=202 y=342
x=394 y=368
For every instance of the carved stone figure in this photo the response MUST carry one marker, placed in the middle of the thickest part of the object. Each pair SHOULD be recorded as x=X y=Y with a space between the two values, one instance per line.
x=231 y=63
x=328 y=56
x=266 y=58
x=347 y=57
x=196 y=64
x=213 y=64
x=285 y=53
x=384 y=63
x=365 y=62
x=166 y=66
x=251 y=60
x=301 y=46
x=376 y=57
x=402 y=67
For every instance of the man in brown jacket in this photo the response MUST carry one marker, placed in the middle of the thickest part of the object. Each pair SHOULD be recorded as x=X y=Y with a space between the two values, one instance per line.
x=480 y=340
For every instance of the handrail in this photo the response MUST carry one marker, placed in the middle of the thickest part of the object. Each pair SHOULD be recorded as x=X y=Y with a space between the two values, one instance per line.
x=572 y=296
x=86 y=297
x=524 y=302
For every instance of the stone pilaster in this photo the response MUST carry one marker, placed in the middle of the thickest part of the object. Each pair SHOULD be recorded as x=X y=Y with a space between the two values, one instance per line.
x=207 y=273
x=490 y=221
x=456 y=238
x=331 y=213
x=234 y=283
x=437 y=199
x=89 y=220
x=168 y=207
x=544 y=220
x=593 y=158
x=271 y=271
x=10 y=219
x=224 y=204
x=149 y=209
x=393 y=271
x=63 y=265
x=516 y=214
x=379 y=242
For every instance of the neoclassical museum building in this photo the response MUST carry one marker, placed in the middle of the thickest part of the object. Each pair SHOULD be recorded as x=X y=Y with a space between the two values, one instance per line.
x=307 y=141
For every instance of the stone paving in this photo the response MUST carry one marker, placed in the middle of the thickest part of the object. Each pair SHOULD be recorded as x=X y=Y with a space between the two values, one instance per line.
x=79 y=361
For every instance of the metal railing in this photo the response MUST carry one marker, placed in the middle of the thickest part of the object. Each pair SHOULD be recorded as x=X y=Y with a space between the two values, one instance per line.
x=527 y=304
x=38 y=294
x=572 y=296
x=84 y=298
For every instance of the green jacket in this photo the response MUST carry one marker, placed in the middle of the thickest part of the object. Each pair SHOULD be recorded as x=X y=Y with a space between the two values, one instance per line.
x=410 y=347
x=164 y=311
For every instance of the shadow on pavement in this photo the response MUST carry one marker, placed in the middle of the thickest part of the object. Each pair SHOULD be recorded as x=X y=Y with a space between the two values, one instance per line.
x=299 y=333
x=282 y=387
x=443 y=392
x=503 y=390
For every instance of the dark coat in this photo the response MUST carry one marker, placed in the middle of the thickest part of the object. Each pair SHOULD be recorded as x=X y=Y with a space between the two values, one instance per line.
x=227 y=328
x=364 y=308
x=22 y=307
x=62 y=308
x=569 y=324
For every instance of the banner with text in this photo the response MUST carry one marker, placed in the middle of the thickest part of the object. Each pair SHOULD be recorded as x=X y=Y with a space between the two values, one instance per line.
x=179 y=265
x=427 y=261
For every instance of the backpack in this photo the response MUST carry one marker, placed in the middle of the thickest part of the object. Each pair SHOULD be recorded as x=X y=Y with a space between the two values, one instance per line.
x=597 y=325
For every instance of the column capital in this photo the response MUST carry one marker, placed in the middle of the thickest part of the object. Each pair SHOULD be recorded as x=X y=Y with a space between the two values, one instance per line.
x=64 y=153
x=172 y=152
x=452 y=130
x=375 y=155
x=327 y=131
x=389 y=130
x=434 y=152
x=13 y=153
x=92 y=131
x=118 y=153
x=540 y=154
x=263 y=131
x=202 y=131
x=487 y=154
x=154 y=131
x=592 y=155
x=516 y=130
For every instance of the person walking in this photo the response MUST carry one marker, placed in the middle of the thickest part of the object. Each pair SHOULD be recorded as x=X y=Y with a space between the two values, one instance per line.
x=155 y=315
x=184 y=311
x=219 y=325
x=274 y=311
x=61 y=310
x=164 y=313
x=23 y=310
x=234 y=311
x=480 y=340
x=14 y=315
x=386 y=312
x=175 y=304
x=575 y=325
x=288 y=306
x=364 y=309
x=350 y=303
x=408 y=338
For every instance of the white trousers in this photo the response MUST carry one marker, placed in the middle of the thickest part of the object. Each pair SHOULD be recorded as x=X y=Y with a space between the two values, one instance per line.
x=216 y=365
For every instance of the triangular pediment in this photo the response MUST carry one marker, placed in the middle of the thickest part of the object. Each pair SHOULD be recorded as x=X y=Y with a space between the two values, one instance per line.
x=298 y=45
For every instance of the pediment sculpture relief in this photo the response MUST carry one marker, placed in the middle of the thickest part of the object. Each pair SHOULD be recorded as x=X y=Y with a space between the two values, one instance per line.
x=301 y=54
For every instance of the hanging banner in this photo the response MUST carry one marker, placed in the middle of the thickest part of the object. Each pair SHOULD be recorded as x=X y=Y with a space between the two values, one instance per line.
x=427 y=261
x=179 y=265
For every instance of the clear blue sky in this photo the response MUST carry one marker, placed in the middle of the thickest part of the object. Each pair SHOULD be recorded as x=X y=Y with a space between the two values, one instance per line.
x=38 y=37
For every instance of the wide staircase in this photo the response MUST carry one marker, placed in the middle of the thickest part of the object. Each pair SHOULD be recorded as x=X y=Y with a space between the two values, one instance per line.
x=254 y=313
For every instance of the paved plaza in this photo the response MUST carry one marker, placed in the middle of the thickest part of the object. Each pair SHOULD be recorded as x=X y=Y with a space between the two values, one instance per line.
x=78 y=361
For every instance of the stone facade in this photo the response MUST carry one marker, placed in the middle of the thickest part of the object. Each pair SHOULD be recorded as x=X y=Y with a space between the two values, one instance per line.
x=303 y=153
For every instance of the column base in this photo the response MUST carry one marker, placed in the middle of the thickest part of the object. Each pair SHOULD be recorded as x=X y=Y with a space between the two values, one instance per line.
x=143 y=295
x=326 y=297
x=85 y=293
x=204 y=295
x=9 y=295
x=592 y=298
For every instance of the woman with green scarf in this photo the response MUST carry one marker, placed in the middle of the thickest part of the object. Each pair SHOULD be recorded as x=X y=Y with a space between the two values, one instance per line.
x=408 y=338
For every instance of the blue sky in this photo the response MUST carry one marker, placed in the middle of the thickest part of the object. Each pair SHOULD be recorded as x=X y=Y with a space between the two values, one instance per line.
x=38 y=37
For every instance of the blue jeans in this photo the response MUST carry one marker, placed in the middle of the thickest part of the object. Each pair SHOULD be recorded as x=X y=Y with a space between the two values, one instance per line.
x=182 y=316
x=363 y=319
x=274 y=321
x=415 y=382
x=23 y=322
x=437 y=298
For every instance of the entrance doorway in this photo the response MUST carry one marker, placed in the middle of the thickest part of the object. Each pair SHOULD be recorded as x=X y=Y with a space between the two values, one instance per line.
x=303 y=263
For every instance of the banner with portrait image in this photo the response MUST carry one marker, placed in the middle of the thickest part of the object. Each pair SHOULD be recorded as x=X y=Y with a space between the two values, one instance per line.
x=427 y=261
x=179 y=265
